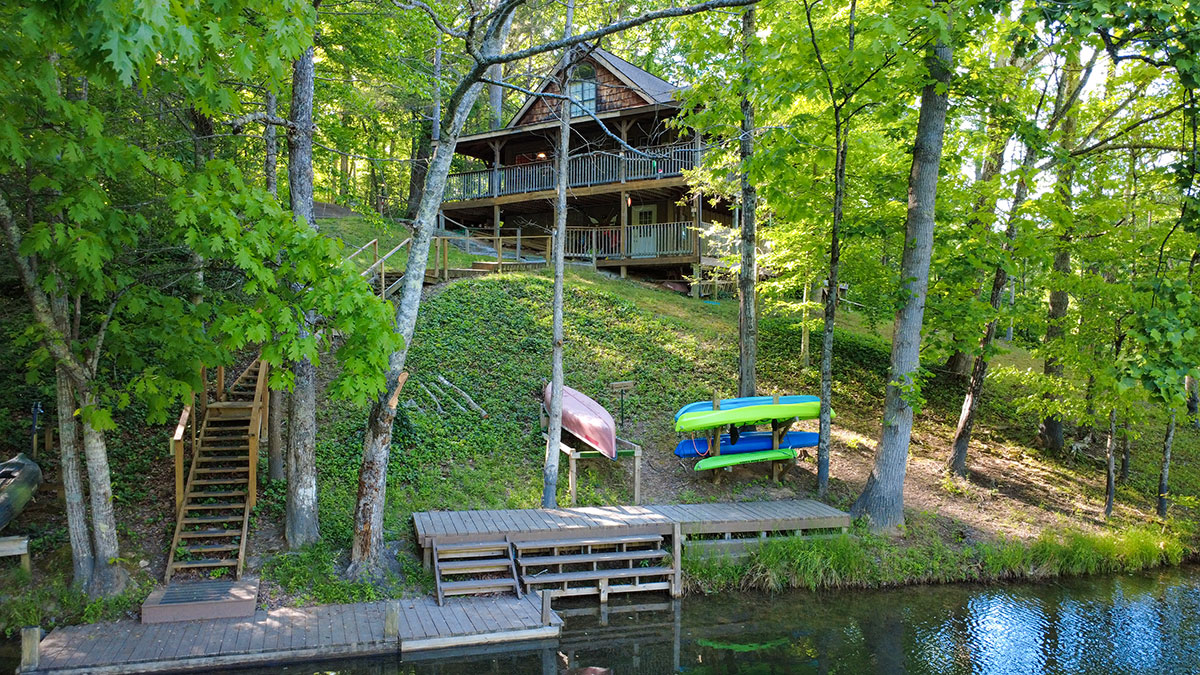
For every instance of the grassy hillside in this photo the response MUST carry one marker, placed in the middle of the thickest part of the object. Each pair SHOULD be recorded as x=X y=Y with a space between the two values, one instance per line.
x=491 y=337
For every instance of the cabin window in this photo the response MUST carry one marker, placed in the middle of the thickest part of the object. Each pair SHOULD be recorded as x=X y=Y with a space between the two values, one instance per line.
x=583 y=89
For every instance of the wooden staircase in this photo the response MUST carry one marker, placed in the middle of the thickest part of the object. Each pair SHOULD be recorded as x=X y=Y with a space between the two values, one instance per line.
x=474 y=568
x=213 y=507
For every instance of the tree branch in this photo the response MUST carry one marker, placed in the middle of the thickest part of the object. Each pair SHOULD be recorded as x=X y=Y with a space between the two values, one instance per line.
x=239 y=122
x=615 y=27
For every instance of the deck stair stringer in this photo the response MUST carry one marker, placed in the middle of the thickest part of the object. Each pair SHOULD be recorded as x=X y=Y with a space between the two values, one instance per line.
x=474 y=568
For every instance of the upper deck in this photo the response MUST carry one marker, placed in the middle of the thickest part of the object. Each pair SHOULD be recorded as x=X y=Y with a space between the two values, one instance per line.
x=600 y=167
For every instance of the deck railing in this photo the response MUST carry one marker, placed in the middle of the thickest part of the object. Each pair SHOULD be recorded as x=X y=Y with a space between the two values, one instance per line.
x=592 y=168
x=658 y=240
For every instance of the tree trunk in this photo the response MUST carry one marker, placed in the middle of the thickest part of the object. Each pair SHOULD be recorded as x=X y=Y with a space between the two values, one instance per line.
x=1125 y=451
x=748 y=270
x=422 y=146
x=270 y=153
x=302 y=526
x=276 y=407
x=883 y=498
x=1051 y=430
x=496 y=74
x=1110 y=483
x=108 y=577
x=561 y=166
x=1166 y=468
x=365 y=561
x=82 y=559
x=377 y=438
x=1193 y=399
x=825 y=422
x=959 y=363
x=957 y=463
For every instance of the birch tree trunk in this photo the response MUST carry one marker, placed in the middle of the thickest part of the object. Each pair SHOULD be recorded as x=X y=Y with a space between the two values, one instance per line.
x=748 y=269
x=561 y=165
x=883 y=498
x=377 y=437
x=108 y=577
x=82 y=560
x=302 y=527
x=1163 y=475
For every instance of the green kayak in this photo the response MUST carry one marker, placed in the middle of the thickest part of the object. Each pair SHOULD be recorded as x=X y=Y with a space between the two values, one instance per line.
x=754 y=414
x=722 y=461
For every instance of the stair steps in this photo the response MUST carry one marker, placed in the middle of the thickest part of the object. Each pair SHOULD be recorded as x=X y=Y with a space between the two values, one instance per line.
x=212 y=522
x=596 y=565
x=459 y=569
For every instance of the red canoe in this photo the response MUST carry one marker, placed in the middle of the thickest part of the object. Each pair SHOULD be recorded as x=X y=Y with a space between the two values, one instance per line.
x=587 y=420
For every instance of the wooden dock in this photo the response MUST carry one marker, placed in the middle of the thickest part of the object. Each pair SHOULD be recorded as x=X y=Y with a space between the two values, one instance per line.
x=788 y=517
x=604 y=549
x=291 y=635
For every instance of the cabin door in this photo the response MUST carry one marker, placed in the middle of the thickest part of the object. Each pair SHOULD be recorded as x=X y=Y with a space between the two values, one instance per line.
x=641 y=236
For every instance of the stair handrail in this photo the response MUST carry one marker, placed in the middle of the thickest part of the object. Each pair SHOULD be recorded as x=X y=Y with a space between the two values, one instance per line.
x=373 y=242
x=259 y=413
x=176 y=443
x=381 y=263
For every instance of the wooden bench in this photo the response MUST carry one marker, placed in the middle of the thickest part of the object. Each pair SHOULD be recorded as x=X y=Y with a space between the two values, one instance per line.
x=17 y=546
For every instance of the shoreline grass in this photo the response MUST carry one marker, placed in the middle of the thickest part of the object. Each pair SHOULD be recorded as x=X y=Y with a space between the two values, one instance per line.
x=862 y=560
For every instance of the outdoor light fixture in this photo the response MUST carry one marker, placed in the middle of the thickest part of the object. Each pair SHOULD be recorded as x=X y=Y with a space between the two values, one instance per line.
x=541 y=155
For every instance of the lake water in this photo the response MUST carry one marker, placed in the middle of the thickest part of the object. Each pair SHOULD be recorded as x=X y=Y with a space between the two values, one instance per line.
x=1147 y=623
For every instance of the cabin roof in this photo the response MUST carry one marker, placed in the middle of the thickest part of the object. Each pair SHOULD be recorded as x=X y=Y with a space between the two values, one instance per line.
x=653 y=89
x=658 y=89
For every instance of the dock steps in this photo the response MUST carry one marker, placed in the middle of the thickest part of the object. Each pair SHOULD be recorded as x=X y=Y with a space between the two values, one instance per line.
x=219 y=599
x=595 y=575
x=458 y=568
x=596 y=565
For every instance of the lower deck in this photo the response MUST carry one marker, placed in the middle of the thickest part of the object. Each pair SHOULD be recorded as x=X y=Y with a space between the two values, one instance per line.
x=293 y=634
x=695 y=521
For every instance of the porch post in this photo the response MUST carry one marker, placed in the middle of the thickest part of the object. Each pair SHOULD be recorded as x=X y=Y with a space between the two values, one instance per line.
x=624 y=222
x=495 y=168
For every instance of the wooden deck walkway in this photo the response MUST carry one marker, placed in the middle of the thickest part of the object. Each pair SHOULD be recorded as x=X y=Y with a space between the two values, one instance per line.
x=290 y=634
x=729 y=518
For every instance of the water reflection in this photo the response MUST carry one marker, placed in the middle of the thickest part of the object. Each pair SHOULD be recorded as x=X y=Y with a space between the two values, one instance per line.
x=1129 y=624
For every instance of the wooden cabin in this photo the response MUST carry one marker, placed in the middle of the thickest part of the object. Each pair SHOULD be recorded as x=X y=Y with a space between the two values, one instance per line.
x=624 y=210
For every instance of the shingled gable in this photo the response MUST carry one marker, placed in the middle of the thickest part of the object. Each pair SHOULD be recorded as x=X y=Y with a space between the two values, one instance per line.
x=620 y=84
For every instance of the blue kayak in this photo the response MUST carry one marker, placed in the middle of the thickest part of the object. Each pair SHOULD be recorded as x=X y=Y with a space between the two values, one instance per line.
x=731 y=403
x=751 y=441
